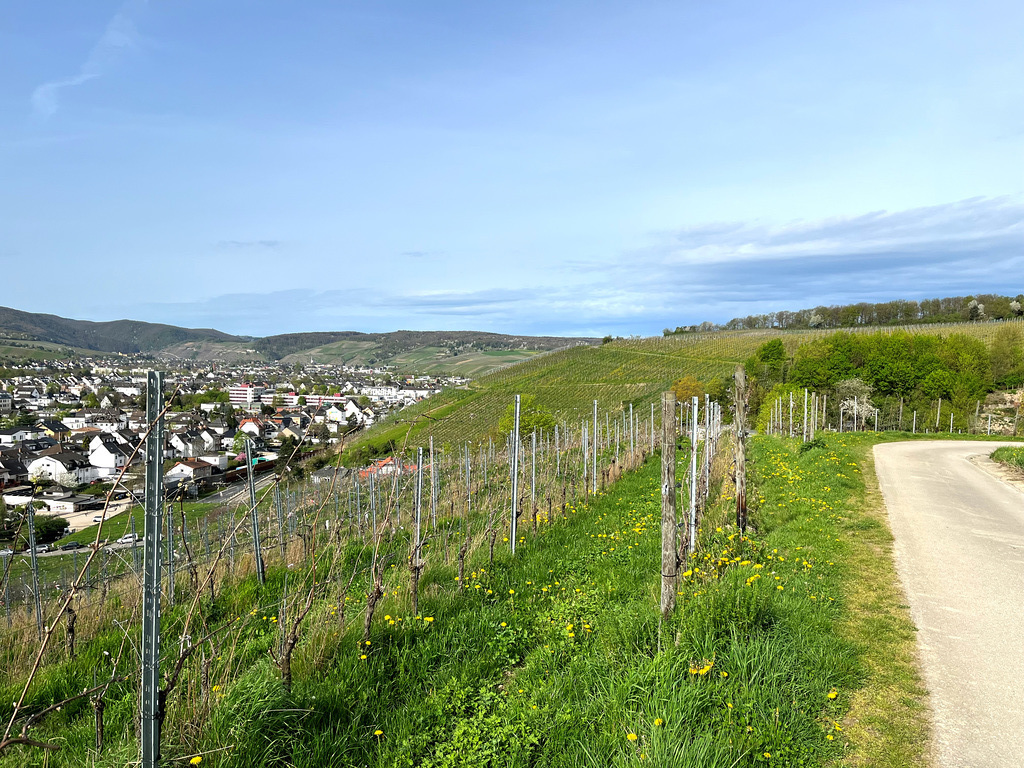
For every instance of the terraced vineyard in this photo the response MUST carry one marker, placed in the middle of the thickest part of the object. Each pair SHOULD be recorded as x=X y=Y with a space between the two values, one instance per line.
x=623 y=372
x=567 y=382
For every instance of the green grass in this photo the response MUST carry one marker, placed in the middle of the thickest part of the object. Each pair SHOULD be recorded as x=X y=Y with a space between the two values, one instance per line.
x=120 y=524
x=1011 y=456
x=558 y=656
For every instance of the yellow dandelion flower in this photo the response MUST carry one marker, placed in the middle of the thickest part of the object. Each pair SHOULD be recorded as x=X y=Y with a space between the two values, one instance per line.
x=631 y=736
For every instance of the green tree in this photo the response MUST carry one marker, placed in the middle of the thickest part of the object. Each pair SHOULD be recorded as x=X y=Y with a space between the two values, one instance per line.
x=687 y=388
x=48 y=528
x=532 y=418
x=1007 y=356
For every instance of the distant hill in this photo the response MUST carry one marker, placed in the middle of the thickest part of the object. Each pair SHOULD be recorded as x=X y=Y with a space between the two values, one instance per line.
x=469 y=353
x=126 y=336
x=388 y=345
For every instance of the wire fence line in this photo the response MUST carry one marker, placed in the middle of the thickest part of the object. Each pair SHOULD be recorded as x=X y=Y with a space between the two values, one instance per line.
x=342 y=529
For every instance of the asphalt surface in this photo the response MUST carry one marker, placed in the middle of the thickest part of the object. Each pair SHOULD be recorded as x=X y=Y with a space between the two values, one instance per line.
x=959 y=549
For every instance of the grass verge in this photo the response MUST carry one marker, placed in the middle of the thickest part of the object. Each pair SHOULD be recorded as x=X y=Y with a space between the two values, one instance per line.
x=1013 y=457
x=775 y=656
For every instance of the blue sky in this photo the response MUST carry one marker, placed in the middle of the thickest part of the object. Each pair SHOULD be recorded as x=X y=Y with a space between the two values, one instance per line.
x=532 y=167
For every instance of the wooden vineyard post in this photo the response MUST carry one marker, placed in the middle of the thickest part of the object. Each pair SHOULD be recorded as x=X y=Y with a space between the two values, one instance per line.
x=515 y=476
x=593 y=457
x=433 y=486
x=805 y=415
x=257 y=551
x=691 y=538
x=36 y=597
x=669 y=561
x=741 y=456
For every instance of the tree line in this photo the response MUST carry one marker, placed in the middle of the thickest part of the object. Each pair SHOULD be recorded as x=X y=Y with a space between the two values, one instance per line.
x=892 y=367
x=952 y=309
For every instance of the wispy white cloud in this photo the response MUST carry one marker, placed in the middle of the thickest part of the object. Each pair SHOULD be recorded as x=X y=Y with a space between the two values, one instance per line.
x=119 y=35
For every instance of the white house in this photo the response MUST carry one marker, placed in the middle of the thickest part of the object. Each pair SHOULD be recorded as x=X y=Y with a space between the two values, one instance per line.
x=187 y=444
x=217 y=461
x=110 y=421
x=16 y=435
x=6 y=402
x=64 y=468
x=253 y=427
x=190 y=469
x=388 y=394
x=108 y=455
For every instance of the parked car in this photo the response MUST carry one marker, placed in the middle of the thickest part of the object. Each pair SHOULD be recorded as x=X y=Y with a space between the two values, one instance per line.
x=71 y=545
x=41 y=548
x=128 y=538
x=97 y=518
x=6 y=552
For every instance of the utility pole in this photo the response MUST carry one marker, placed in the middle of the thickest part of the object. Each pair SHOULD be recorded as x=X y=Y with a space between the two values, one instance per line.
x=150 y=725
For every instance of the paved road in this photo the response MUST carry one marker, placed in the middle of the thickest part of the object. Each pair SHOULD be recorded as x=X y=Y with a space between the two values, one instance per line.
x=960 y=554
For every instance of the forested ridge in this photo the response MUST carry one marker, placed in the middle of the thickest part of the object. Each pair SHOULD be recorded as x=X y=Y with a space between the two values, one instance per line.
x=952 y=309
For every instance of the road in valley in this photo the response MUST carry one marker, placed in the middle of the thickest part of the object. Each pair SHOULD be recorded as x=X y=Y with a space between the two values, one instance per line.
x=959 y=546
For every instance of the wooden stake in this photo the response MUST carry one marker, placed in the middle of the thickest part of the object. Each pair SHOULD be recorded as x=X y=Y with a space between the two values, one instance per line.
x=741 y=457
x=669 y=562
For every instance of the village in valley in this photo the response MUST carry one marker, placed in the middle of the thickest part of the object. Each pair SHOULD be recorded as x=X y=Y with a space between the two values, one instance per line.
x=71 y=428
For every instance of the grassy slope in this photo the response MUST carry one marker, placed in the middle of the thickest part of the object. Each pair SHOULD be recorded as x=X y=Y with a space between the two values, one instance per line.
x=557 y=657
x=616 y=374
x=566 y=382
